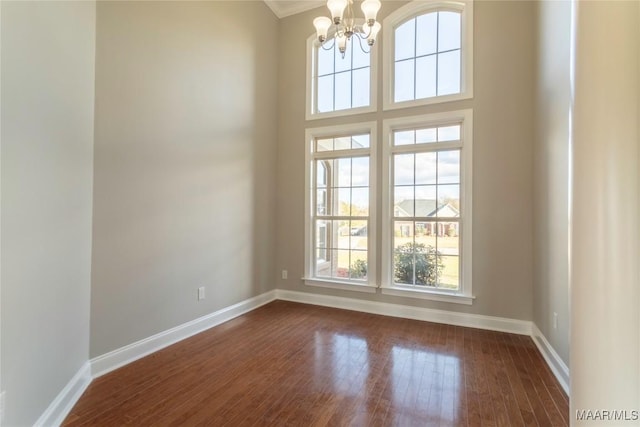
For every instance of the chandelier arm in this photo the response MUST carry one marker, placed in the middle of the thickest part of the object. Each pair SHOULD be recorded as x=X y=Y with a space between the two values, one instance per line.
x=360 y=42
x=332 y=45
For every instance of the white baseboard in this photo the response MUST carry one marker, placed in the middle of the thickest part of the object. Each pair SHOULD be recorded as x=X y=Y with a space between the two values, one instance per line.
x=555 y=363
x=58 y=410
x=117 y=358
x=491 y=323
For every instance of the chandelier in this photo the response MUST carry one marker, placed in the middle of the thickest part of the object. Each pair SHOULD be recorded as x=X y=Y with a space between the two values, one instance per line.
x=344 y=21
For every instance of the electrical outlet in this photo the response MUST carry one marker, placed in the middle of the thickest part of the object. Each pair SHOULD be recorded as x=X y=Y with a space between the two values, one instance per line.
x=285 y=273
x=555 y=320
x=200 y=293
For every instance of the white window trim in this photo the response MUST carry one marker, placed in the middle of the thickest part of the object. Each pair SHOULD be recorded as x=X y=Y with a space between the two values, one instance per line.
x=414 y=9
x=310 y=113
x=464 y=294
x=330 y=131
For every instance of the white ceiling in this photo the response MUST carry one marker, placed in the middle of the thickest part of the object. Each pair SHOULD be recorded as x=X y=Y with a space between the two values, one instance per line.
x=284 y=8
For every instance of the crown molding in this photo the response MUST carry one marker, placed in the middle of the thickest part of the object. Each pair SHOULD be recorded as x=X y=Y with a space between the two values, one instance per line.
x=284 y=8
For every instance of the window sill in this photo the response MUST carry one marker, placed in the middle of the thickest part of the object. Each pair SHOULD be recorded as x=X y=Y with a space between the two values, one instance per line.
x=345 y=286
x=341 y=113
x=430 y=295
x=393 y=105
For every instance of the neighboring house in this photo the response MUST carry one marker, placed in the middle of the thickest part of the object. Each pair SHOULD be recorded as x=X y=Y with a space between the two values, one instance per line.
x=425 y=208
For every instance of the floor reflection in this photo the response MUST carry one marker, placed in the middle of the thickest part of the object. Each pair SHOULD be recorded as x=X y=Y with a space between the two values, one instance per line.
x=426 y=386
x=343 y=358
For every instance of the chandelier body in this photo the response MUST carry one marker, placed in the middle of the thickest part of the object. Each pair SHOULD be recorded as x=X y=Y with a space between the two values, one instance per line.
x=345 y=25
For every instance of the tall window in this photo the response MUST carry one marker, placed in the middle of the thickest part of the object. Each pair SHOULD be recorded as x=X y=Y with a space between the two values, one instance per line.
x=340 y=196
x=339 y=85
x=428 y=53
x=426 y=228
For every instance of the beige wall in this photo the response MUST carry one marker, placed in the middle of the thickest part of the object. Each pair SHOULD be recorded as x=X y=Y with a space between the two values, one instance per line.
x=605 y=286
x=48 y=52
x=185 y=155
x=502 y=164
x=551 y=174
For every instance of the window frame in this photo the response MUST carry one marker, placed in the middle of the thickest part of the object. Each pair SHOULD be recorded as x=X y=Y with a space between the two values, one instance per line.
x=413 y=10
x=311 y=134
x=465 y=117
x=311 y=112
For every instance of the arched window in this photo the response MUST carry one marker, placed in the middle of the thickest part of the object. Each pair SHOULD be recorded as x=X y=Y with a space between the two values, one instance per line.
x=428 y=54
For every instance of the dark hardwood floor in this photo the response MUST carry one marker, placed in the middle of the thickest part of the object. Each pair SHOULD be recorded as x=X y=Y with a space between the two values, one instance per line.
x=288 y=364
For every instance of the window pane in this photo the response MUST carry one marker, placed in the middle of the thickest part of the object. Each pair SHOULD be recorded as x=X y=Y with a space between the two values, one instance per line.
x=323 y=263
x=426 y=233
x=343 y=166
x=449 y=273
x=343 y=64
x=321 y=202
x=321 y=233
x=403 y=169
x=403 y=201
x=449 y=167
x=344 y=201
x=405 y=40
x=425 y=201
x=343 y=91
x=426 y=34
x=342 y=264
x=324 y=144
x=448 y=240
x=360 y=201
x=426 y=136
x=322 y=237
x=403 y=137
x=426 y=168
x=342 y=235
x=403 y=257
x=325 y=94
x=448 y=31
x=360 y=58
x=360 y=141
x=427 y=265
x=360 y=171
x=361 y=87
x=359 y=235
x=321 y=174
x=449 y=199
x=325 y=61
x=343 y=143
x=404 y=80
x=426 y=77
x=449 y=133
x=358 y=269
x=449 y=72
